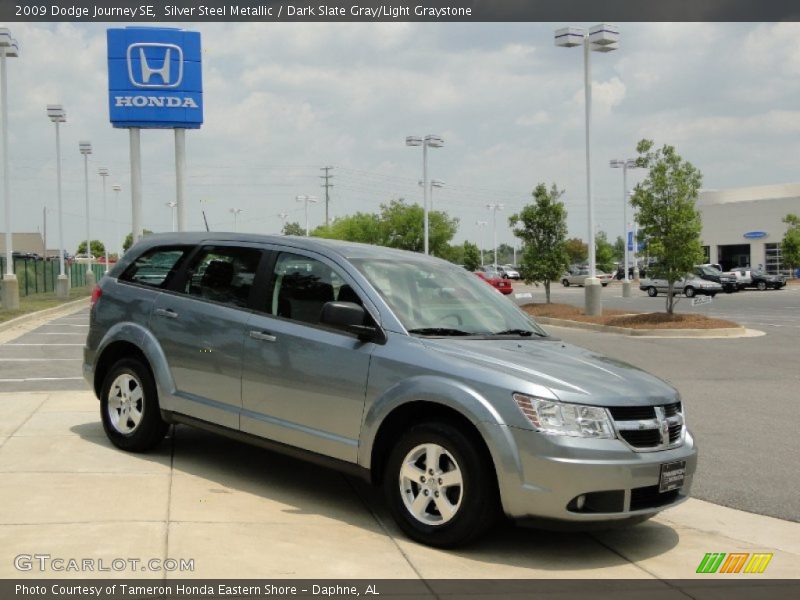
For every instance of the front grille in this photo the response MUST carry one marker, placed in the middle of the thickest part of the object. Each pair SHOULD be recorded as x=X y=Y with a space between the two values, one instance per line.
x=650 y=497
x=649 y=428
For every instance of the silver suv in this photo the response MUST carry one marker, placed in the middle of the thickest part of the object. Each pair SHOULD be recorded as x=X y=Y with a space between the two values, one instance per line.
x=403 y=369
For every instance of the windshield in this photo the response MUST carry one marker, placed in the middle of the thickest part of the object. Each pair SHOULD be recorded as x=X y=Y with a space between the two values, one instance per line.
x=709 y=271
x=444 y=300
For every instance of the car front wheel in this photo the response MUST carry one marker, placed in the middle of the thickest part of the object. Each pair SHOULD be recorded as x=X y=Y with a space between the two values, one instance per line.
x=761 y=285
x=652 y=292
x=129 y=407
x=439 y=486
x=565 y=282
x=689 y=291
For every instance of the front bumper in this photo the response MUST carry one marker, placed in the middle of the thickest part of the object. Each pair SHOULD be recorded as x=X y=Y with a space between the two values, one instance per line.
x=552 y=471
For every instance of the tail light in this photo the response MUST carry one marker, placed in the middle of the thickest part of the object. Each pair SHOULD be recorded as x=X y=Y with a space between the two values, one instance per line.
x=96 y=293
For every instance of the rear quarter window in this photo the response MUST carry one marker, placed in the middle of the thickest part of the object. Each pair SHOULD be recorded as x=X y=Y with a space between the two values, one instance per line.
x=155 y=267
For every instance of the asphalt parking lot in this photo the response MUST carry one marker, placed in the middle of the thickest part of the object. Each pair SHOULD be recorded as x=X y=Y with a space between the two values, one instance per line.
x=242 y=511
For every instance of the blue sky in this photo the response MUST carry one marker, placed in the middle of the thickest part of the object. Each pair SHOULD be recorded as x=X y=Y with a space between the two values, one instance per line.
x=283 y=100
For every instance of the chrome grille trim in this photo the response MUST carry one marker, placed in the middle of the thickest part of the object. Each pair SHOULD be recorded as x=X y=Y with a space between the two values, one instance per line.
x=667 y=429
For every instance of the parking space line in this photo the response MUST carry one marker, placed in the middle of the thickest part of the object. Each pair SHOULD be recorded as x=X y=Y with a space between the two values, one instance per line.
x=24 y=379
x=63 y=325
x=16 y=344
x=55 y=333
x=34 y=359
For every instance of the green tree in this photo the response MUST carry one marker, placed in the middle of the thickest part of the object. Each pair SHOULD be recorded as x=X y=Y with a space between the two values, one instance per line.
x=98 y=248
x=542 y=226
x=129 y=240
x=619 y=249
x=472 y=256
x=577 y=250
x=665 y=201
x=790 y=246
x=293 y=228
x=603 y=252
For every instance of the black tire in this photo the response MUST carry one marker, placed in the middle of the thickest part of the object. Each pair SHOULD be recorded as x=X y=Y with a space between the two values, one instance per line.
x=150 y=429
x=565 y=282
x=712 y=294
x=652 y=292
x=478 y=509
x=689 y=291
x=604 y=284
x=761 y=285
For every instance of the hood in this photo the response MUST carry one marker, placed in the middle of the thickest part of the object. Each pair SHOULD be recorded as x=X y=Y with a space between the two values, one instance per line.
x=572 y=373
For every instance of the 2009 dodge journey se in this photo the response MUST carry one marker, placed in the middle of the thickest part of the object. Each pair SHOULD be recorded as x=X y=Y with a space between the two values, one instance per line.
x=401 y=368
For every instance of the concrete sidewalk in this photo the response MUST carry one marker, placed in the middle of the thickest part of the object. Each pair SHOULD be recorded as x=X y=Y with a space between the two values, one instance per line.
x=239 y=511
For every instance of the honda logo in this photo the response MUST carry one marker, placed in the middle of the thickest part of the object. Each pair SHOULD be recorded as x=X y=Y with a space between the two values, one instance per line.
x=155 y=68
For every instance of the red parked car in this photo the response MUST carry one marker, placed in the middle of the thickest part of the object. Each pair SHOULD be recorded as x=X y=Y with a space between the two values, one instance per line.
x=501 y=285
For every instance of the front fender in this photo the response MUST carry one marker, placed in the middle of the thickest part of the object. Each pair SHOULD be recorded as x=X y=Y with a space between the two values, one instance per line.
x=454 y=395
x=143 y=339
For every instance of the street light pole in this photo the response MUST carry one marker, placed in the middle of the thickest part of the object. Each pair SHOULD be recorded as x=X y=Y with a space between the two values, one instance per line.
x=103 y=172
x=600 y=38
x=432 y=141
x=172 y=206
x=9 y=48
x=57 y=114
x=283 y=216
x=235 y=212
x=481 y=225
x=625 y=164
x=494 y=208
x=306 y=200
x=85 y=149
x=433 y=183
x=117 y=188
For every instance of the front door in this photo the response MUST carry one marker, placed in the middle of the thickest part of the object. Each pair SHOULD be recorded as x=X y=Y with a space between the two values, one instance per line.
x=304 y=384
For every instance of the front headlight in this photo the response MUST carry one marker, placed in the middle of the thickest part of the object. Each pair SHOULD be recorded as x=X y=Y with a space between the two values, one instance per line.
x=559 y=418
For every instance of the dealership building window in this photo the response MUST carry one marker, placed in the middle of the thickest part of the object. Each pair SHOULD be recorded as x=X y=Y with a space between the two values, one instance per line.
x=774 y=264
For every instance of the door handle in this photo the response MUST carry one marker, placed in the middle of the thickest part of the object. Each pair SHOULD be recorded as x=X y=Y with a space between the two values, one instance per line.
x=166 y=312
x=263 y=336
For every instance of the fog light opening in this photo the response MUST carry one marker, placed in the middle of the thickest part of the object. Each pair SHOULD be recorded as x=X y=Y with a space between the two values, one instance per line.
x=580 y=502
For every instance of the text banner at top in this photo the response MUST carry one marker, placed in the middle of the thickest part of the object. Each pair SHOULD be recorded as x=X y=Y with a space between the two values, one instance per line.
x=155 y=11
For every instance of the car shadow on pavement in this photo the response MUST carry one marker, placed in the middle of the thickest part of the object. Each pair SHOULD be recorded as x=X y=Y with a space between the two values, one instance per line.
x=218 y=480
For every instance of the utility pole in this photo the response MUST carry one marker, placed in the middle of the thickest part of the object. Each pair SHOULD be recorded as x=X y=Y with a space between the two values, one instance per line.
x=44 y=230
x=327 y=185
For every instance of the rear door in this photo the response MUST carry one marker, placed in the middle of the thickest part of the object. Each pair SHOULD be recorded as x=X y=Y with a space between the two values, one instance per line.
x=201 y=326
x=304 y=384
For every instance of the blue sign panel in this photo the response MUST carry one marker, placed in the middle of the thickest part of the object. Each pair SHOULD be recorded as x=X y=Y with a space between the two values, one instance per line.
x=155 y=78
x=755 y=235
x=630 y=241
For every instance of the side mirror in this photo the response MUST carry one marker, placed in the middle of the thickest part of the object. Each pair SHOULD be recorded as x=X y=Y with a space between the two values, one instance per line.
x=350 y=317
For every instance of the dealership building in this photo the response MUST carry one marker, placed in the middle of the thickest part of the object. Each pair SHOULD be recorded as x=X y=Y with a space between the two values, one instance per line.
x=744 y=226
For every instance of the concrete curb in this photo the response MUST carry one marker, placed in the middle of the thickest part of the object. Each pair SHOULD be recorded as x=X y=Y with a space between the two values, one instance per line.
x=732 y=332
x=66 y=308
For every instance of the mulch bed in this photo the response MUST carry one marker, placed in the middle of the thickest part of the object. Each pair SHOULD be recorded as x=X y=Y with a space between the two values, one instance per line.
x=620 y=318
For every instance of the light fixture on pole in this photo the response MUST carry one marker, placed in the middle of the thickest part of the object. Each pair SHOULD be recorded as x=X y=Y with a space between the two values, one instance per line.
x=117 y=188
x=57 y=114
x=600 y=38
x=85 y=149
x=235 y=212
x=306 y=200
x=283 y=216
x=172 y=206
x=9 y=48
x=433 y=183
x=625 y=164
x=494 y=208
x=103 y=172
x=481 y=225
x=429 y=141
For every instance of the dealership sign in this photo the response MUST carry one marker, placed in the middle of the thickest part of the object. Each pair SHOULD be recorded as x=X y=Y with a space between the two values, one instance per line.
x=755 y=235
x=155 y=78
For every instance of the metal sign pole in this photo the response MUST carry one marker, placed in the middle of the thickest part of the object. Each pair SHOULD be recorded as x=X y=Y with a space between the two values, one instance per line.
x=136 y=183
x=180 y=176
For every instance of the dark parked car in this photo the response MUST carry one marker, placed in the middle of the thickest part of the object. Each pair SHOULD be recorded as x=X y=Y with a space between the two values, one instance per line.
x=726 y=280
x=758 y=278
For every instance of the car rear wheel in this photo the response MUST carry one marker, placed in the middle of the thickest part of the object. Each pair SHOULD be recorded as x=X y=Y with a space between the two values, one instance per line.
x=689 y=291
x=761 y=285
x=565 y=282
x=129 y=407
x=439 y=486
x=652 y=292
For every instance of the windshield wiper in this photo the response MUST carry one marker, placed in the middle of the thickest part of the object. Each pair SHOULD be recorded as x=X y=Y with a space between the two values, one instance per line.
x=438 y=331
x=520 y=332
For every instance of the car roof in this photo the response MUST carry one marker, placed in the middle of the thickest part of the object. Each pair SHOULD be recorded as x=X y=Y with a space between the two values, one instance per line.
x=348 y=250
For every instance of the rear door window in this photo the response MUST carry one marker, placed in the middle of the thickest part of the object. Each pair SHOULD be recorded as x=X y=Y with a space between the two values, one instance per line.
x=223 y=274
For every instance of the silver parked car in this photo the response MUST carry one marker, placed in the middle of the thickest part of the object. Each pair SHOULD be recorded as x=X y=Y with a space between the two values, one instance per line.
x=579 y=275
x=400 y=368
x=690 y=286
